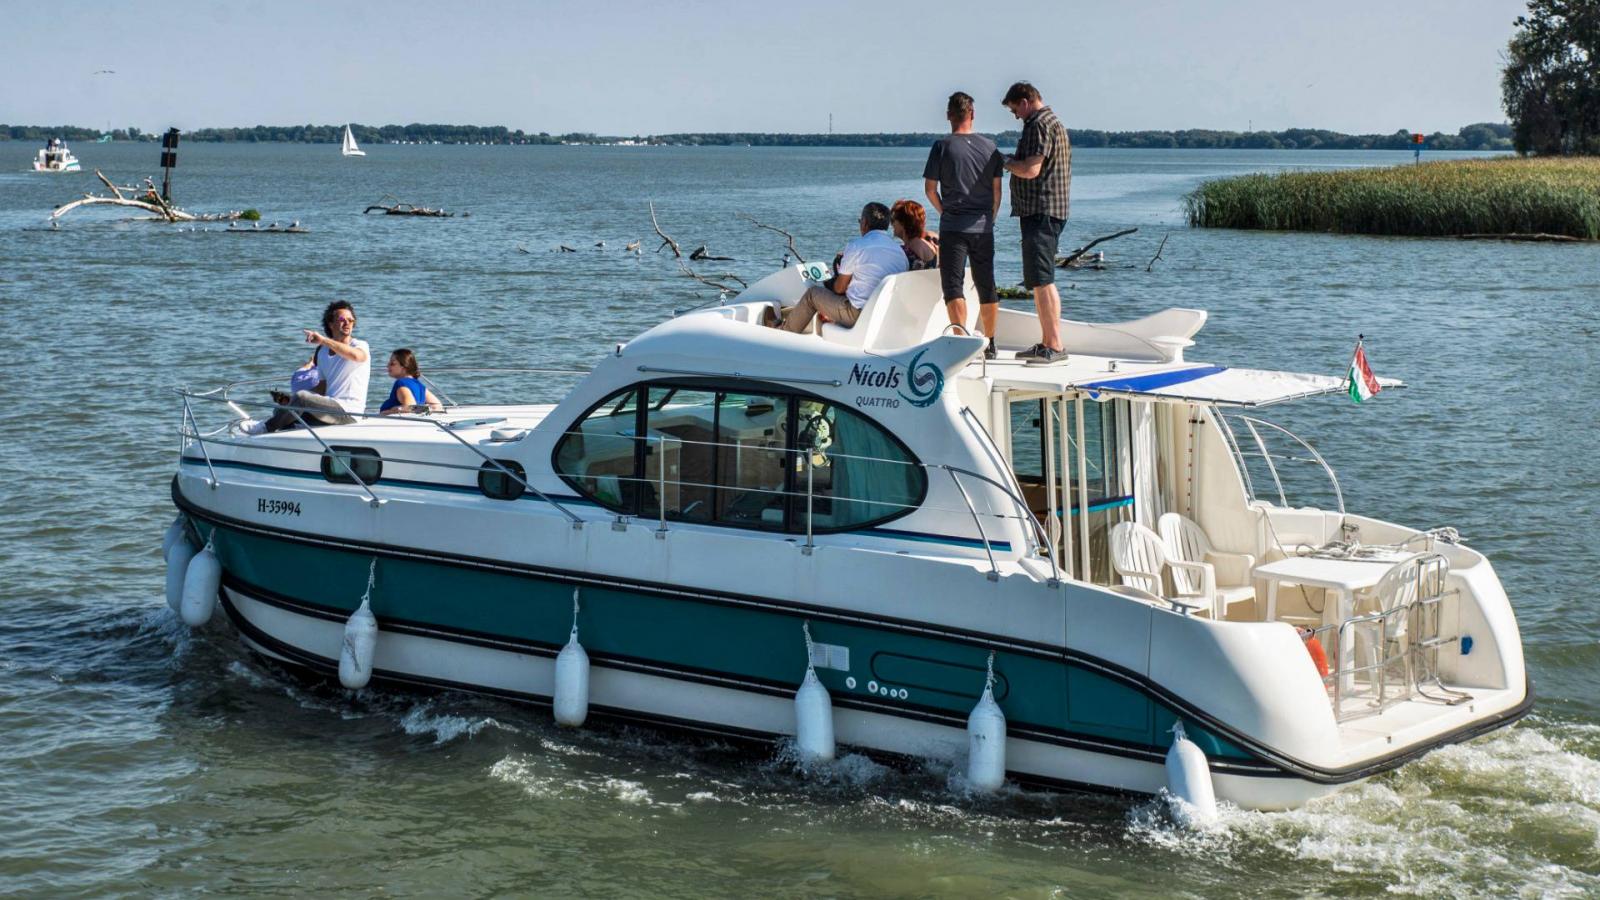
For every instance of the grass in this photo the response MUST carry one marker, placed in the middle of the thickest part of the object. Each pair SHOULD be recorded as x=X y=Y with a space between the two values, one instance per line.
x=1509 y=196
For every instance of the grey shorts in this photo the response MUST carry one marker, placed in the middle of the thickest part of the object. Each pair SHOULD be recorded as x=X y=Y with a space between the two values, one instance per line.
x=955 y=249
x=1041 y=238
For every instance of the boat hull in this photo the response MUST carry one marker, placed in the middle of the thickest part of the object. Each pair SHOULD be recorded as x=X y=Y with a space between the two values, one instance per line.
x=666 y=699
x=729 y=665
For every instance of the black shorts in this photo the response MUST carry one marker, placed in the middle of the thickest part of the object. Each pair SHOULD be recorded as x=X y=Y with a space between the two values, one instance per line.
x=955 y=249
x=1041 y=237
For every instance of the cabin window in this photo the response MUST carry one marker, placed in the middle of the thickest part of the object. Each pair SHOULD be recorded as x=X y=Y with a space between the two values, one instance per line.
x=497 y=485
x=599 y=456
x=363 y=463
x=707 y=453
x=859 y=473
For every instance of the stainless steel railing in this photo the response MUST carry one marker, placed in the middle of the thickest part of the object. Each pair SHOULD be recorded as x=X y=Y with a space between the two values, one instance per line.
x=1408 y=636
x=1271 y=460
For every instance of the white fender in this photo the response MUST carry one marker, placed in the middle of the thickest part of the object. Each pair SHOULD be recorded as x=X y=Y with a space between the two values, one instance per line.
x=572 y=683
x=177 y=568
x=986 y=744
x=360 y=639
x=200 y=585
x=1189 y=782
x=813 y=720
x=175 y=533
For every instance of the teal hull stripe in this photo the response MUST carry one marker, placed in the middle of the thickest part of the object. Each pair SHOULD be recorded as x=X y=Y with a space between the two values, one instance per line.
x=1000 y=546
x=1044 y=734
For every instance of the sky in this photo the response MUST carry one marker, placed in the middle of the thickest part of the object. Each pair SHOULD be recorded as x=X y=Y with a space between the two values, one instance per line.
x=623 y=67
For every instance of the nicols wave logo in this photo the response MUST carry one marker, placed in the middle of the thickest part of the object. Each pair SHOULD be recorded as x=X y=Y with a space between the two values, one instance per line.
x=925 y=382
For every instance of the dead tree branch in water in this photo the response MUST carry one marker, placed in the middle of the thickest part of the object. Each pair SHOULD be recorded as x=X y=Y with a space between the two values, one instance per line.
x=703 y=254
x=1067 y=261
x=149 y=200
x=1158 y=251
x=792 y=248
x=724 y=289
x=665 y=241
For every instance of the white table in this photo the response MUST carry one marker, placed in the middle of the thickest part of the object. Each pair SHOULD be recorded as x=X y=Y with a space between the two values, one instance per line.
x=1343 y=577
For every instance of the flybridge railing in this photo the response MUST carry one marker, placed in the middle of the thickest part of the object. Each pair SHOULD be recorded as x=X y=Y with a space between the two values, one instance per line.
x=797 y=458
x=1256 y=449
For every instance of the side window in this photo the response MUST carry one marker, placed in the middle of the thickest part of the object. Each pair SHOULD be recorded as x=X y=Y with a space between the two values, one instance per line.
x=496 y=484
x=859 y=473
x=680 y=435
x=735 y=458
x=597 y=456
x=752 y=460
x=363 y=462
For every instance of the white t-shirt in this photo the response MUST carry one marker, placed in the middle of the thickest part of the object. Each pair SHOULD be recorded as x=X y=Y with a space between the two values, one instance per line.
x=347 y=381
x=868 y=260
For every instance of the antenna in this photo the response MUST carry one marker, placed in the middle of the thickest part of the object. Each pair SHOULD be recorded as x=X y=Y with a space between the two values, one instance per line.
x=830 y=123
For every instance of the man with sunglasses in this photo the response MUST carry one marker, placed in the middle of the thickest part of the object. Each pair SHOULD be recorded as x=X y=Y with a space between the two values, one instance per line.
x=344 y=364
x=1041 y=188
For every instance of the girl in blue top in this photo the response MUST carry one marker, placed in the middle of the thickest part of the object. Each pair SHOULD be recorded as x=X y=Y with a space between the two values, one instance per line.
x=408 y=392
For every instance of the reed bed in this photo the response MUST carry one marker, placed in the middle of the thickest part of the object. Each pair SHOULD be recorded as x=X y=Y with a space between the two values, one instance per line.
x=1502 y=196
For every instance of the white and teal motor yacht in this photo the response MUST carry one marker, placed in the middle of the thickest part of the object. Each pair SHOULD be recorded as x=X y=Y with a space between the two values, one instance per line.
x=733 y=507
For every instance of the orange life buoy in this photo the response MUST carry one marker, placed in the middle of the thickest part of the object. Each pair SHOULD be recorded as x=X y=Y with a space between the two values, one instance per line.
x=1318 y=657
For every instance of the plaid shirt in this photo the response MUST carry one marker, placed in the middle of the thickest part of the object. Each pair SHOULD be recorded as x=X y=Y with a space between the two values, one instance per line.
x=1050 y=192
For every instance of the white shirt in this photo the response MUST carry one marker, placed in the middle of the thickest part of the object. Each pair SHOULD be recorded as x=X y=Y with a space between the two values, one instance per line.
x=347 y=380
x=868 y=260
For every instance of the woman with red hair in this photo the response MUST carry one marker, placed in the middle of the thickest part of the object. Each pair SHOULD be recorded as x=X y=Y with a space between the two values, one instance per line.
x=911 y=227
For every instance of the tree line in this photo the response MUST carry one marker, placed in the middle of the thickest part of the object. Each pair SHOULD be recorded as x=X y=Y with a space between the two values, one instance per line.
x=1481 y=136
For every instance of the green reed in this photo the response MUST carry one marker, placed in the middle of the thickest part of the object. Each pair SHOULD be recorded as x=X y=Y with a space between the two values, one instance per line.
x=1506 y=195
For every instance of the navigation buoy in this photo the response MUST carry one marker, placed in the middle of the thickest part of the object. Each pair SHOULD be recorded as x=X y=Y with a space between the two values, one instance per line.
x=200 y=584
x=360 y=639
x=986 y=740
x=572 y=677
x=1189 y=782
x=175 y=533
x=177 y=568
x=813 y=714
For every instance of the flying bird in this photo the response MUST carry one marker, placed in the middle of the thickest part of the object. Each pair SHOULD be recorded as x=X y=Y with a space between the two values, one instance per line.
x=105 y=71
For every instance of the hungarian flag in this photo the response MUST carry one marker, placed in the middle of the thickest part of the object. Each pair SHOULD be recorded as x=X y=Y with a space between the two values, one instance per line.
x=1363 y=384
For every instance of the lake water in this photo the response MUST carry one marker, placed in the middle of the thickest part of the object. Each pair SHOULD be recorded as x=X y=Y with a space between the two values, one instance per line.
x=137 y=757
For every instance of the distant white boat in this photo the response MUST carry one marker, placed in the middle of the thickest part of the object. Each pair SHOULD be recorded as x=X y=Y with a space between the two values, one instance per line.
x=55 y=157
x=350 y=148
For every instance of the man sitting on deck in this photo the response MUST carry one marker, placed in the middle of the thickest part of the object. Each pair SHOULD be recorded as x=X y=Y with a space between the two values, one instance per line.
x=865 y=261
x=344 y=363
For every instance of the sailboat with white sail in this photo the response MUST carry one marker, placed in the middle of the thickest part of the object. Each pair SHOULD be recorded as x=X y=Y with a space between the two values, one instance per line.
x=350 y=148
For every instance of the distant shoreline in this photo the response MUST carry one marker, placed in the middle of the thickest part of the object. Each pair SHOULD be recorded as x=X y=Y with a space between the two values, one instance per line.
x=1480 y=136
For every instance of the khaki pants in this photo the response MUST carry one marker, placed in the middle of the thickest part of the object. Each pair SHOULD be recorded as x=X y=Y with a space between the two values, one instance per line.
x=818 y=299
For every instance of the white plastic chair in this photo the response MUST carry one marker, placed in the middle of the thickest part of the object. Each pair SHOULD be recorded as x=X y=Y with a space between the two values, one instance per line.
x=1187 y=542
x=1139 y=559
x=1394 y=596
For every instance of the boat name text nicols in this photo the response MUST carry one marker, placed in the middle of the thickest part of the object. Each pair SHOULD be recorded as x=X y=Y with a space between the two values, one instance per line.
x=1189 y=782
x=813 y=714
x=177 y=568
x=986 y=740
x=572 y=677
x=200 y=584
x=360 y=640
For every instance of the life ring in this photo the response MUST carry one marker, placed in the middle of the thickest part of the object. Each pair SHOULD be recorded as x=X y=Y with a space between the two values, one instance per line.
x=1319 y=658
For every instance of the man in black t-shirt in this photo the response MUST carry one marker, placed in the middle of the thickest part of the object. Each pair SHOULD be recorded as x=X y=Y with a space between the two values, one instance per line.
x=962 y=180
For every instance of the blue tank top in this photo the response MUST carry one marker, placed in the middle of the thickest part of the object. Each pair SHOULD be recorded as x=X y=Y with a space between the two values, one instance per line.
x=419 y=394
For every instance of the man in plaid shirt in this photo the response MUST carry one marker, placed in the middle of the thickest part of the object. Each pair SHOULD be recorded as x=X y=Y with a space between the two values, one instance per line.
x=1041 y=184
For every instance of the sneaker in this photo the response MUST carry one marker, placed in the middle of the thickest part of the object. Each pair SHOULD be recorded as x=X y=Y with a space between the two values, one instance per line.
x=251 y=426
x=770 y=317
x=1040 y=355
x=989 y=351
